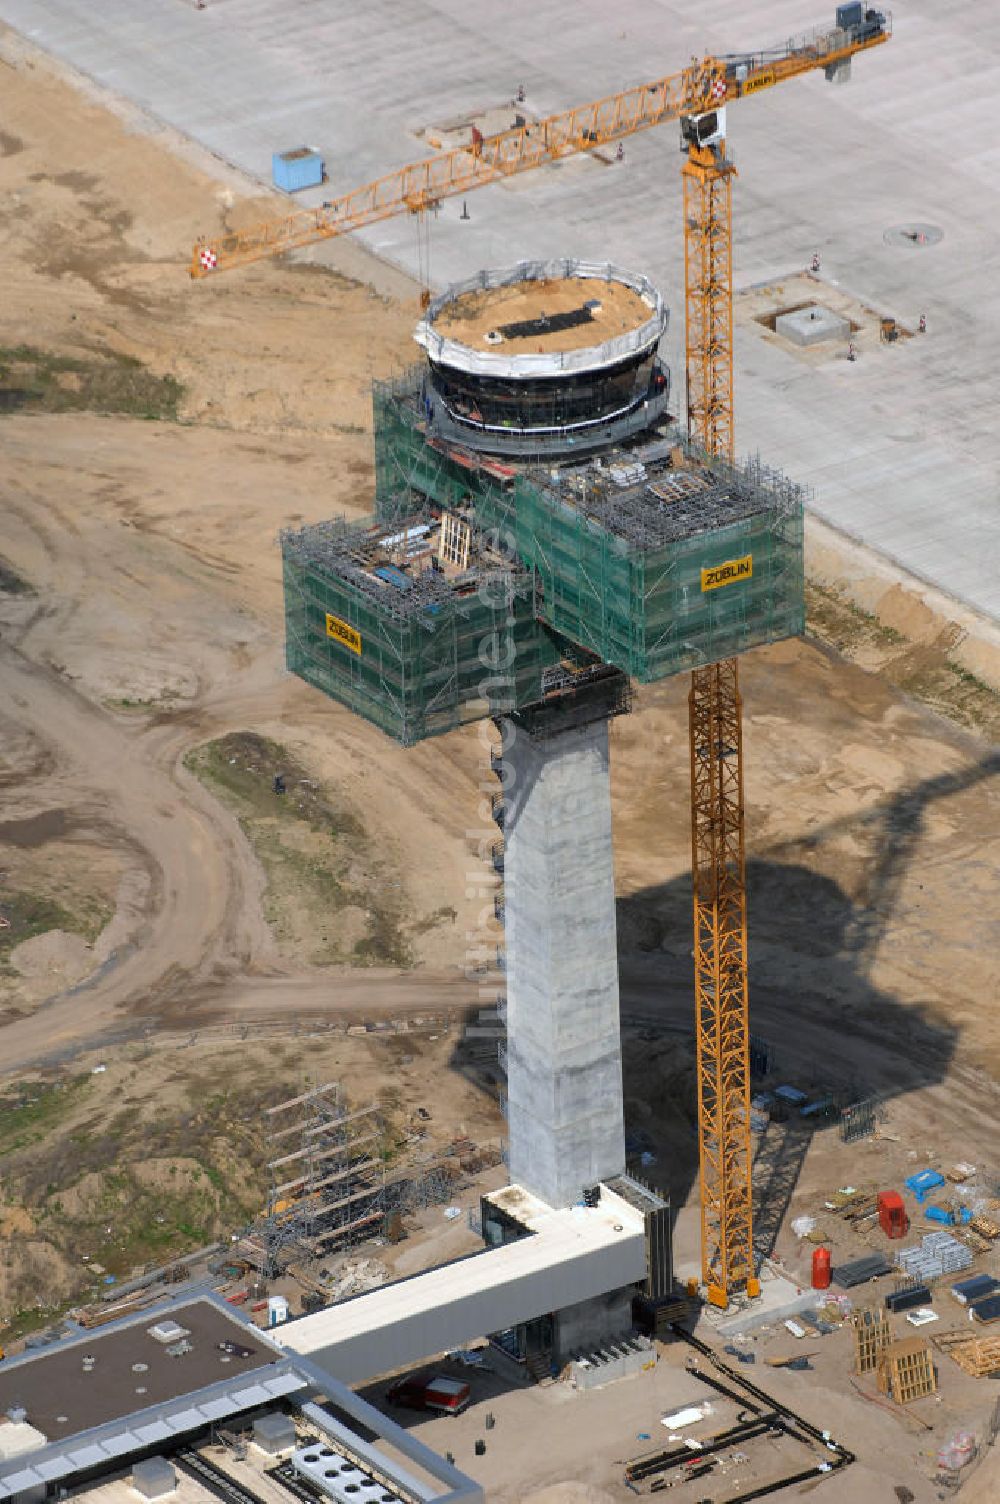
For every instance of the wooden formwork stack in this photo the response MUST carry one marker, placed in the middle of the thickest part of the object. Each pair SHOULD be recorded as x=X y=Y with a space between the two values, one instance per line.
x=906 y=1370
x=871 y=1337
x=977 y=1356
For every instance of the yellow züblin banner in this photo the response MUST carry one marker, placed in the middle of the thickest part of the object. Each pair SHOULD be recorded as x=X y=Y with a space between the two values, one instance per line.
x=725 y=574
x=758 y=81
x=341 y=632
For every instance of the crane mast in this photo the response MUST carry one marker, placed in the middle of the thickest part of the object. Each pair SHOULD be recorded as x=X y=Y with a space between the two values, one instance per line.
x=715 y=726
x=697 y=96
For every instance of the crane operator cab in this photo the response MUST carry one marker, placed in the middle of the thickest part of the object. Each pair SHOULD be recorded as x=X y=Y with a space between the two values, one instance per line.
x=705 y=130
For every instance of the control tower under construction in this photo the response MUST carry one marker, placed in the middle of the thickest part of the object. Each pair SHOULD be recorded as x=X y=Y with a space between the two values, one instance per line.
x=543 y=535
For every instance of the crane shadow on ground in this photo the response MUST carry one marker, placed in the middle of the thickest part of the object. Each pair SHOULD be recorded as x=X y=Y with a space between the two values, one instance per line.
x=829 y=1031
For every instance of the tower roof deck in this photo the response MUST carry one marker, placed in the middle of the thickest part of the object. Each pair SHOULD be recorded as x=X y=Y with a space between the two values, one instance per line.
x=552 y=313
x=544 y=319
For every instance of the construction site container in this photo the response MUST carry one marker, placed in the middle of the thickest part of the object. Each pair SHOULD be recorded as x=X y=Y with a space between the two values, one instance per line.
x=892 y=1214
x=822 y=1266
x=297 y=169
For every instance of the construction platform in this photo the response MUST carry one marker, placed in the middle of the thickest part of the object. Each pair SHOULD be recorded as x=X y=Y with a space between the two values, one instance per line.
x=652 y=559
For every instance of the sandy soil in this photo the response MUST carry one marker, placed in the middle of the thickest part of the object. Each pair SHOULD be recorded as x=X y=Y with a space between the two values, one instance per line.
x=155 y=625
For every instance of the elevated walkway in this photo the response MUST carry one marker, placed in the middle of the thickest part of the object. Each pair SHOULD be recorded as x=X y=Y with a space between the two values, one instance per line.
x=567 y=1257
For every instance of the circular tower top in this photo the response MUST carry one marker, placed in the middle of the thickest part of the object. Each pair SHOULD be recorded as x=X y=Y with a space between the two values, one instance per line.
x=541 y=318
x=545 y=355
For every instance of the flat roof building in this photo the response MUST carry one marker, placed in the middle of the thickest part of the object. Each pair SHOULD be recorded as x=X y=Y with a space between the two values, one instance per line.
x=91 y=1408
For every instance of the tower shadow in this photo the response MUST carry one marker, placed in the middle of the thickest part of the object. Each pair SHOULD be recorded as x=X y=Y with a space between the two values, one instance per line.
x=828 y=1030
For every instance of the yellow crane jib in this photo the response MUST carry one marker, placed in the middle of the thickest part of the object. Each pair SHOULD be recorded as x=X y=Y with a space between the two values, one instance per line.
x=698 y=89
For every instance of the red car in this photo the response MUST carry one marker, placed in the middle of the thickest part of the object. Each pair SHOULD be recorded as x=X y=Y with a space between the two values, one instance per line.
x=444 y=1395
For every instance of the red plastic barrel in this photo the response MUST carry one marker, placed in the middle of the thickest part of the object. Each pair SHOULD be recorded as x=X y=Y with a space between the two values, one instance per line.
x=821 y=1268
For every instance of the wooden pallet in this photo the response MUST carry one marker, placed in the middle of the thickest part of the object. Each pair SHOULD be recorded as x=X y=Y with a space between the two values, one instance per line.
x=977 y=1356
x=906 y=1370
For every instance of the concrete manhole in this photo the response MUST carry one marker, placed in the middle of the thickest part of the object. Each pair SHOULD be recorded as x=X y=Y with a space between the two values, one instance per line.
x=913 y=237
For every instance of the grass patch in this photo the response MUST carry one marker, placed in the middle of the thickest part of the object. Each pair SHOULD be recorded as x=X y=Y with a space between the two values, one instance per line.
x=32 y=1110
x=36 y=381
x=11 y=582
x=30 y=914
x=841 y=624
x=327 y=893
x=923 y=671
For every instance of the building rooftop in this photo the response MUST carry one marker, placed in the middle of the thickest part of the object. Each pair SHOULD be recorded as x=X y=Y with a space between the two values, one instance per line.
x=550 y=313
x=659 y=492
x=64 y=1393
x=543 y=320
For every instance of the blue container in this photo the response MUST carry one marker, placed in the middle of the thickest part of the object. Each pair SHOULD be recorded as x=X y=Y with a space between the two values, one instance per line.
x=922 y=1184
x=297 y=169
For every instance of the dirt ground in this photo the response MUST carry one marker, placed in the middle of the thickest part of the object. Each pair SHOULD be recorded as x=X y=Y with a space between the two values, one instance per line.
x=140 y=621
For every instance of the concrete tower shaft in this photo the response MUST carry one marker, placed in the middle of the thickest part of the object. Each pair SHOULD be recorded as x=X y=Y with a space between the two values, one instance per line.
x=564 y=1069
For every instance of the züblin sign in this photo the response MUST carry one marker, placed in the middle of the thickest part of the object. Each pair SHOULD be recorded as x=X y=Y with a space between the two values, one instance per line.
x=341 y=632
x=728 y=573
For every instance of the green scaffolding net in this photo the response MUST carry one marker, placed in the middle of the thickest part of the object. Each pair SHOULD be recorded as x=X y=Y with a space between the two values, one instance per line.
x=415 y=669
x=653 y=560
x=713 y=568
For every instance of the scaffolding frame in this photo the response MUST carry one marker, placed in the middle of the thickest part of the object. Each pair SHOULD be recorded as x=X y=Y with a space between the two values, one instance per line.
x=617 y=563
x=417 y=662
x=872 y=1335
x=339 y=1188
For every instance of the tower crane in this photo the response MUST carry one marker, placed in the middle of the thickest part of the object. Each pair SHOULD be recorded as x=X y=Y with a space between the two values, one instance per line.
x=696 y=96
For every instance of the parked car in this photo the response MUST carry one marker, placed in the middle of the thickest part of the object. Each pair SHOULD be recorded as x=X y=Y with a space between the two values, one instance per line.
x=425 y=1392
